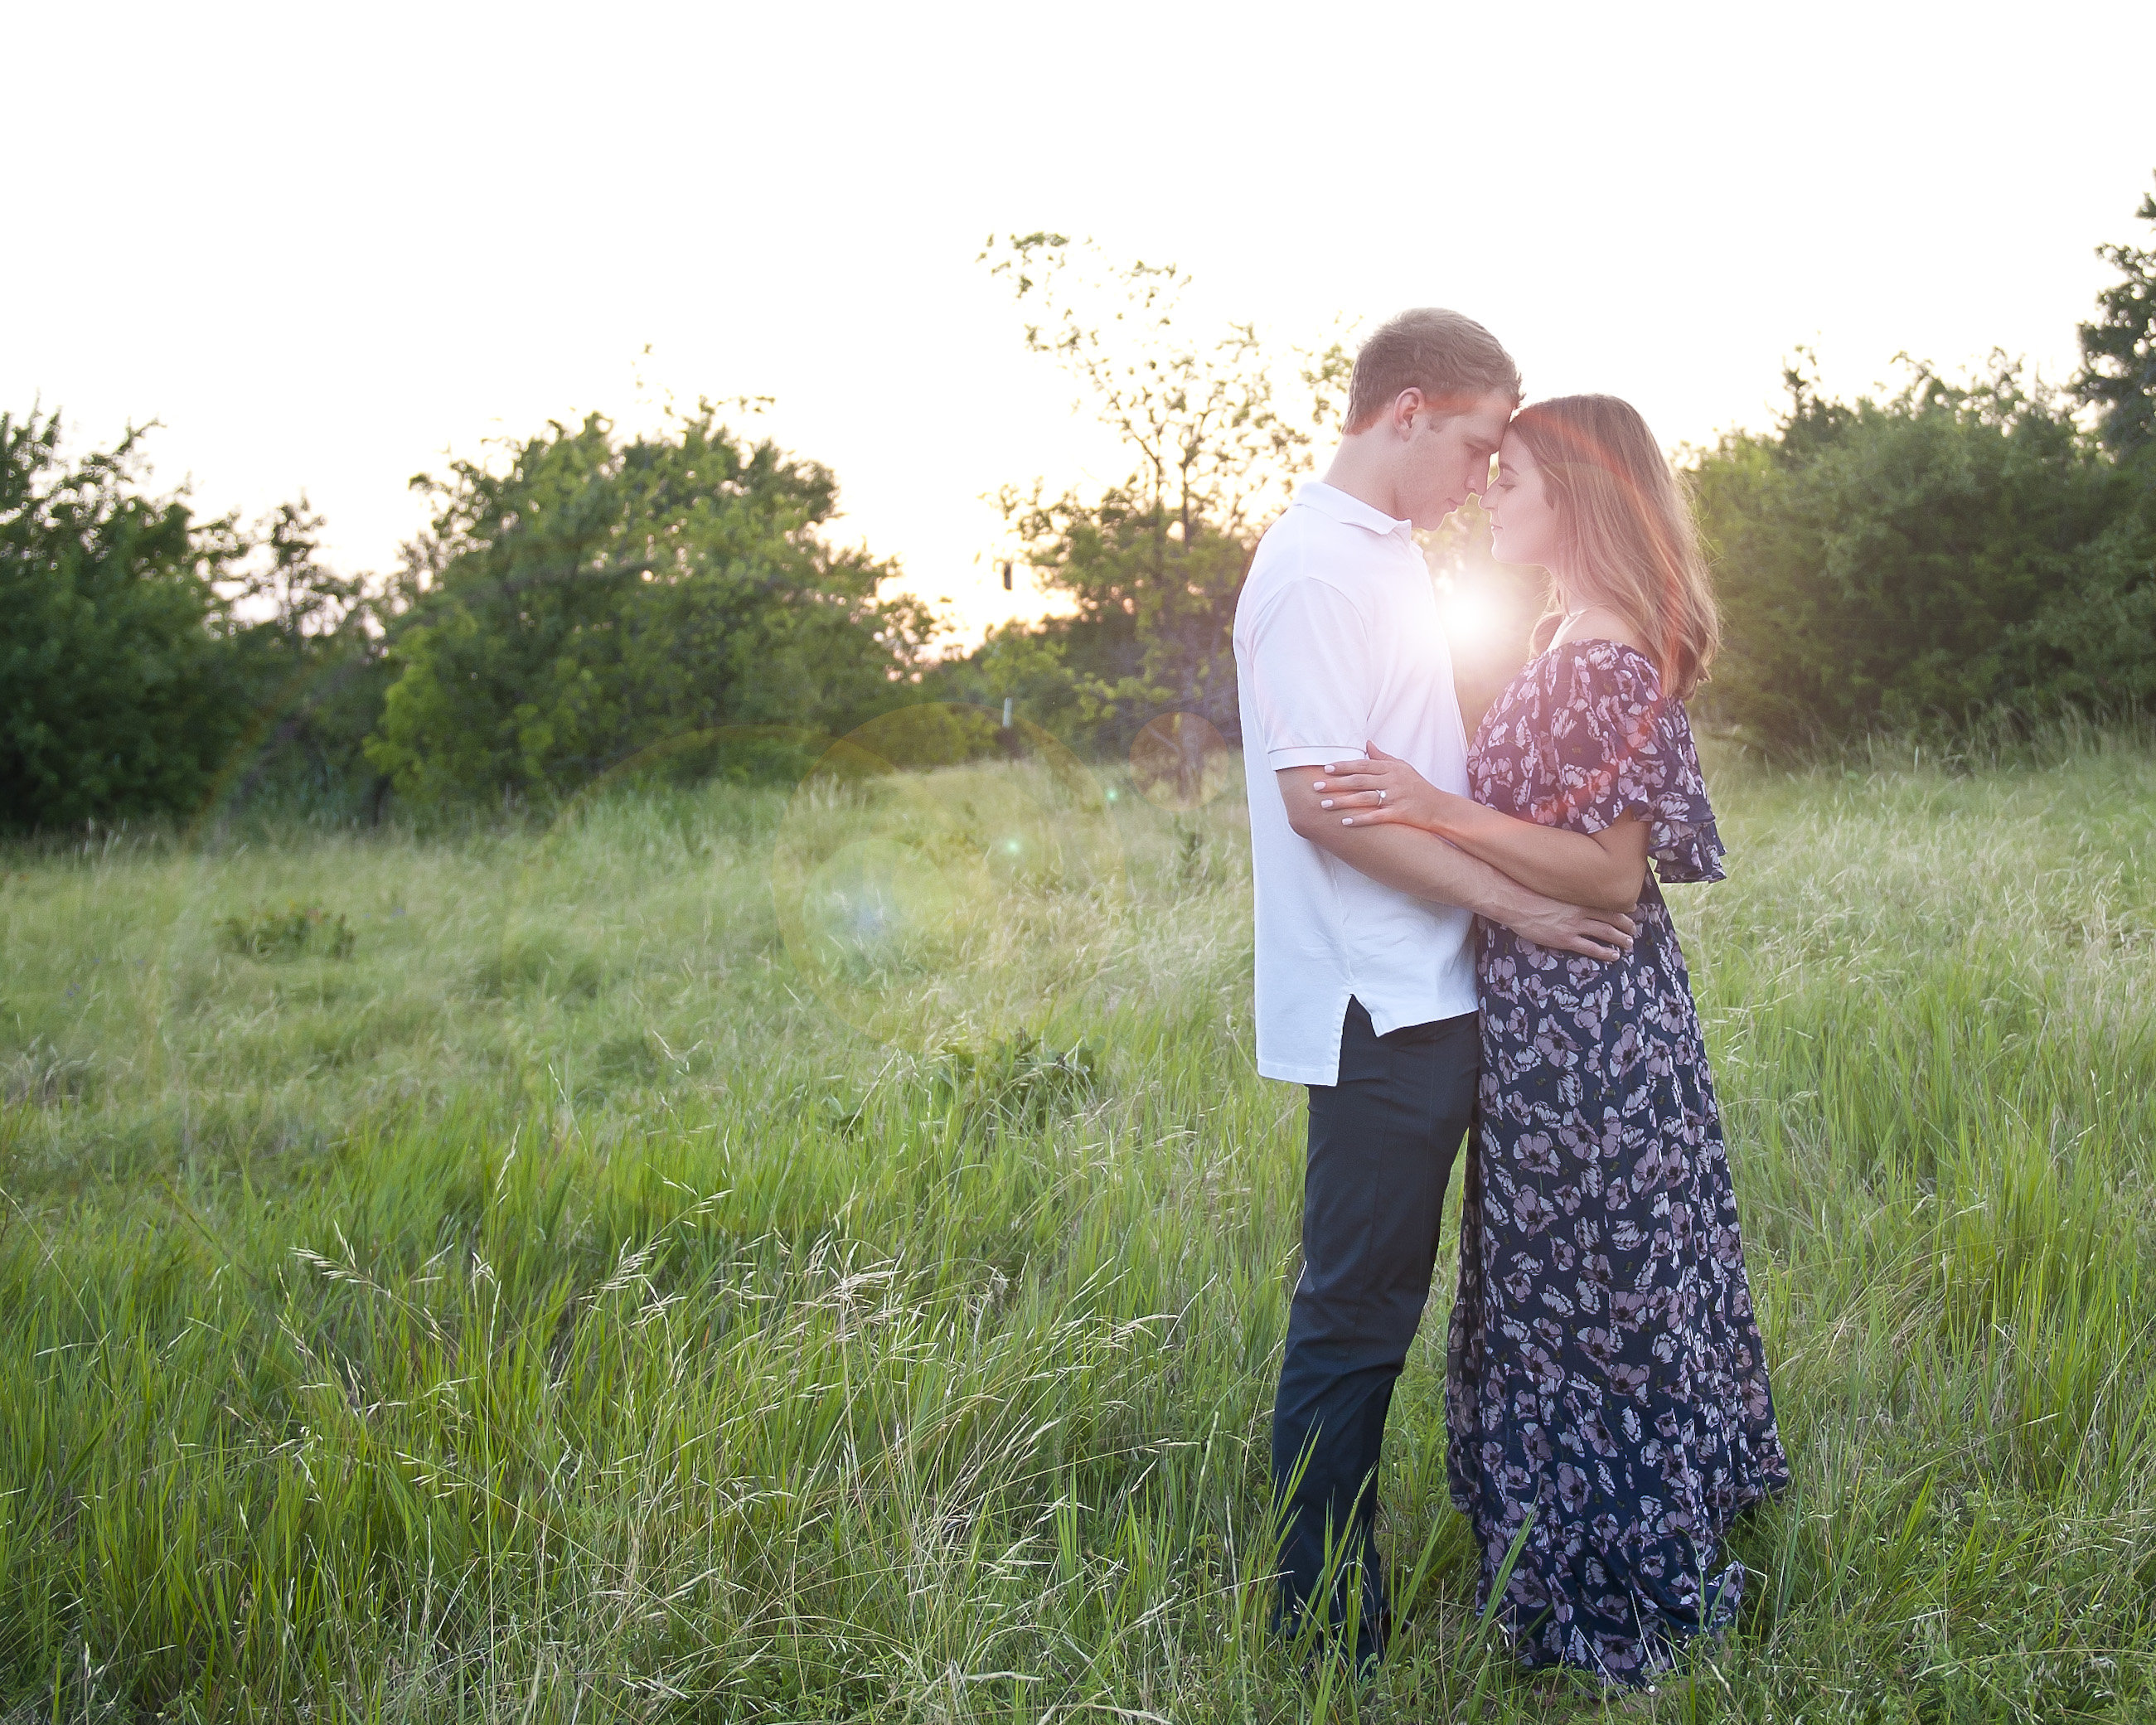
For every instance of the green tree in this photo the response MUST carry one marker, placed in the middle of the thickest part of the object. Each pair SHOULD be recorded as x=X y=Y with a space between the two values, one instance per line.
x=1030 y=665
x=592 y=598
x=2118 y=351
x=2092 y=643
x=1912 y=562
x=1154 y=560
x=120 y=692
x=314 y=661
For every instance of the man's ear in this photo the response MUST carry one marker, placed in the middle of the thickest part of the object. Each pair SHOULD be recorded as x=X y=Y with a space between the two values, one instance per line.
x=1405 y=406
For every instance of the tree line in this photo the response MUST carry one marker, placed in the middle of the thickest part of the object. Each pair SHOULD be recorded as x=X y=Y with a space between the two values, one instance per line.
x=586 y=599
x=583 y=598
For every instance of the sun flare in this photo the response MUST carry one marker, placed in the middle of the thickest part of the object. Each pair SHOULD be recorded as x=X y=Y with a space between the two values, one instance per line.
x=1470 y=619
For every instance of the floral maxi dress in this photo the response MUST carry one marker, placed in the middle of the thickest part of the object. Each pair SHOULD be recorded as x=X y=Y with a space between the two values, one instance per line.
x=1605 y=1370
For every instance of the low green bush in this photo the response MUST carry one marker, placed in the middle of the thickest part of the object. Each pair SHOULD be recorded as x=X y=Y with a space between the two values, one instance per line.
x=296 y=930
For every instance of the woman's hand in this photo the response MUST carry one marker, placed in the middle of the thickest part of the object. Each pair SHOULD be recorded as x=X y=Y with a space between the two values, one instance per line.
x=1382 y=791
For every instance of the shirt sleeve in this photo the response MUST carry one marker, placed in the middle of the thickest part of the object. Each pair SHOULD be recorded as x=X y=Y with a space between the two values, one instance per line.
x=1308 y=666
x=1624 y=748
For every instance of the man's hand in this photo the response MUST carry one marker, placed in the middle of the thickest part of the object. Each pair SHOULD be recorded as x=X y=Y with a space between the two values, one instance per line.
x=1567 y=928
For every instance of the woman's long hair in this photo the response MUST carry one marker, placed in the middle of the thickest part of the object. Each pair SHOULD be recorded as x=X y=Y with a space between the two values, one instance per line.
x=1626 y=528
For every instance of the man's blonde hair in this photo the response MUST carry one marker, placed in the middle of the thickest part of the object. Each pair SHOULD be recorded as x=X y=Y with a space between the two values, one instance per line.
x=1626 y=527
x=1451 y=359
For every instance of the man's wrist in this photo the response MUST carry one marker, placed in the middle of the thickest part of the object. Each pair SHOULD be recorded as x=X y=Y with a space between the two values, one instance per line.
x=1506 y=901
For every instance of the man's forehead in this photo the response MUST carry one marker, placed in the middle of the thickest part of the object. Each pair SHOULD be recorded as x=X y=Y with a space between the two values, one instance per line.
x=1488 y=420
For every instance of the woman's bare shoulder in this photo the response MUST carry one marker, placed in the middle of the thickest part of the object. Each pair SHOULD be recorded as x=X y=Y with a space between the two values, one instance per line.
x=1597 y=623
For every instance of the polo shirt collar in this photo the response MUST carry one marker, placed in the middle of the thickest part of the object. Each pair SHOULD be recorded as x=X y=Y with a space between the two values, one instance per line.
x=1331 y=500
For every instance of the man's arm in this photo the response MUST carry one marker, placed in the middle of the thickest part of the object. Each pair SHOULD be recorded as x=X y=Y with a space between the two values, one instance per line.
x=1598 y=871
x=1424 y=866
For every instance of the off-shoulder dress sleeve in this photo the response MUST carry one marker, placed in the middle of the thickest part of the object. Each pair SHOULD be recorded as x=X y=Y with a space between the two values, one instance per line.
x=1621 y=747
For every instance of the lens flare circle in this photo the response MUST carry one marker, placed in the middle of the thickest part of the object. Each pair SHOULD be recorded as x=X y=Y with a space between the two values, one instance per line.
x=932 y=869
x=879 y=906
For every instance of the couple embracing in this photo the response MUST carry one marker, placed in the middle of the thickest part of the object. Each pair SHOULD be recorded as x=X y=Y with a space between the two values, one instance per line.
x=1467 y=942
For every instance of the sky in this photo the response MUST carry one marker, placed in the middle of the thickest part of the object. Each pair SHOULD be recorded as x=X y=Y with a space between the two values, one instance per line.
x=328 y=248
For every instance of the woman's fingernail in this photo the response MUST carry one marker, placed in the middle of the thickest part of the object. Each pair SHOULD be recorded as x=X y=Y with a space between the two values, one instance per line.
x=1327 y=804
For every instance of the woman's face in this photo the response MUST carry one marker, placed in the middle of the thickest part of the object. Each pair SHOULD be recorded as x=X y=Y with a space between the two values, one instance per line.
x=1523 y=526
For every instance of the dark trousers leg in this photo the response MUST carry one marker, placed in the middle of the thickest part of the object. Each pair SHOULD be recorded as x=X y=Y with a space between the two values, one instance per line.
x=1382 y=1142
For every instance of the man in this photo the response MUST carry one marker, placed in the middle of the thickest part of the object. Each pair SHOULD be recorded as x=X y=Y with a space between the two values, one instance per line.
x=1365 y=966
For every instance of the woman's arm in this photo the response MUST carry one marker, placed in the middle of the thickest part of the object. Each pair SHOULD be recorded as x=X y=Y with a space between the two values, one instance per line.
x=1600 y=870
x=1443 y=874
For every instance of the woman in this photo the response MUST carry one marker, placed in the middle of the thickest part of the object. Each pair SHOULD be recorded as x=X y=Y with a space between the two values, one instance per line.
x=1606 y=1383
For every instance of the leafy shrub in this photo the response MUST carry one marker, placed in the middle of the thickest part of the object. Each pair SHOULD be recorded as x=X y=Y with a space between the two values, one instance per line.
x=1016 y=1081
x=1916 y=562
x=289 y=934
x=118 y=696
x=659 y=603
x=130 y=682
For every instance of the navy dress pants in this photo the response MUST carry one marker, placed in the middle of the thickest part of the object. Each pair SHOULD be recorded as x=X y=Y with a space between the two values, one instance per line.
x=1382 y=1142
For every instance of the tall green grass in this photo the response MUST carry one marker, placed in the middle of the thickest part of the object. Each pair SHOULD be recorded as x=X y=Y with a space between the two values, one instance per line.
x=617 y=1290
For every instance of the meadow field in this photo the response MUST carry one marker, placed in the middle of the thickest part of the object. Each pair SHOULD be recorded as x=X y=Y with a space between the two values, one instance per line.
x=730 y=1253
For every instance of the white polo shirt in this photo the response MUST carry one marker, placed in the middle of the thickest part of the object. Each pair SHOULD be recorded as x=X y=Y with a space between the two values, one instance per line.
x=1339 y=645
